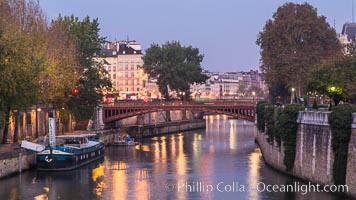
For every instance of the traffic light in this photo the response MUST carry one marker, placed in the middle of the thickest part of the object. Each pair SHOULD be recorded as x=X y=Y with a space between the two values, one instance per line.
x=75 y=90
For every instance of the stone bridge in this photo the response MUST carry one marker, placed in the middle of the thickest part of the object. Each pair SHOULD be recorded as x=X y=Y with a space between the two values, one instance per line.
x=236 y=108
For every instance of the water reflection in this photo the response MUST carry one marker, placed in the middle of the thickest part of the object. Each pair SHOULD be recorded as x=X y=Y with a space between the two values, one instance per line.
x=178 y=166
x=254 y=173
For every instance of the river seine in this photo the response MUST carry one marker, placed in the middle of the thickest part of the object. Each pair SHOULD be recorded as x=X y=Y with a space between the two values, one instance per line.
x=219 y=162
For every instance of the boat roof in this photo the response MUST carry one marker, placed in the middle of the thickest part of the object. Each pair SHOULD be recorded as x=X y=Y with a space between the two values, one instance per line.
x=77 y=136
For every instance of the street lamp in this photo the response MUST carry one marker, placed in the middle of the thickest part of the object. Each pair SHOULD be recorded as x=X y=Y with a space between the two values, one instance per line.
x=38 y=110
x=292 y=95
x=253 y=95
x=332 y=98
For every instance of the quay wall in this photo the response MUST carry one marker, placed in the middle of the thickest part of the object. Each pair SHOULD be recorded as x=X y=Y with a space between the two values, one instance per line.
x=143 y=131
x=314 y=155
x=16 y=161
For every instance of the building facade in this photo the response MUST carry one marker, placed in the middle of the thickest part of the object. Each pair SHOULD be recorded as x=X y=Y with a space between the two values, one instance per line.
x=231 y=85
x=347 y=35
x=123 y=63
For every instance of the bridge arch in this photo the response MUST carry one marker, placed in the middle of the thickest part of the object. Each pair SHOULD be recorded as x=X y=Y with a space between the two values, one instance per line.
x=117 y=111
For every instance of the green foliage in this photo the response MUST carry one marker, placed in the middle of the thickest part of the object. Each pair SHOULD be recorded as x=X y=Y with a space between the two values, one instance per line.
x=174 y=66
x=261 y=119
x=340 y=121
x=315 y=105
x=279 y=92
x=22 y=56
x=292 y=42
x=281 y=124
x=92 y=79
x=270 y=118
x=338 y=73
x=287 y=128
x=351 y=48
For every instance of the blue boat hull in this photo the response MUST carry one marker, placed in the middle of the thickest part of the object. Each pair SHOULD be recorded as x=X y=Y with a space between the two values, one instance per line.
x=68 y=161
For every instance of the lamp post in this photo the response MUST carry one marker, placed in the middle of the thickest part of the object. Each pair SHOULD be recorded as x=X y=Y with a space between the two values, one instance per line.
x=332 y=98
x=292 y=95
x=253 y=96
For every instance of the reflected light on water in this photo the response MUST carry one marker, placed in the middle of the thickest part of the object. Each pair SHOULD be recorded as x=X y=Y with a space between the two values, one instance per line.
x=119 y=184
x=41 y=197
x=13 y=194
x=100 y=184
x=142 y=186
x=160 y=155
x=97 y=172
x=211 y=119
x=181 y=158
x=145 y=148
x=232 y=135
x=254 y=173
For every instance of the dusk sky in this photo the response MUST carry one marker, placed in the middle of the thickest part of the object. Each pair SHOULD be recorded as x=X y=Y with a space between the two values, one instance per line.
x=224 y=31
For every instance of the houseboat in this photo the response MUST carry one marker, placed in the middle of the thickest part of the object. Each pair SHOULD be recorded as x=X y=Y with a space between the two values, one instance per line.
x=69 y=152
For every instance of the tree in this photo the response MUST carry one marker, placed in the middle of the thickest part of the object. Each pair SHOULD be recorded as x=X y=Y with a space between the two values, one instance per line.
x=91 y=74
x=293 y=42
x=61 y=71
x=21 y=57
x=336 y=78
x=174 y=66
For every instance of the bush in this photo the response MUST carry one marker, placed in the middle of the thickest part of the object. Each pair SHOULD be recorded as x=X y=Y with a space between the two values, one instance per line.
x=287 y=127
x=340 y=121
x=260 y=115
x=281 y=125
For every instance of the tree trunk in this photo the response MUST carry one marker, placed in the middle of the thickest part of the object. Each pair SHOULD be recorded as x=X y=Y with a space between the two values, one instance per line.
x=16 y=131
x=6 y=127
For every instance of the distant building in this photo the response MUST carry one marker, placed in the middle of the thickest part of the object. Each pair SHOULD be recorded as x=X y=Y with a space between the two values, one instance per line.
x=347 y=35
x=231 y=85
x=124 y=59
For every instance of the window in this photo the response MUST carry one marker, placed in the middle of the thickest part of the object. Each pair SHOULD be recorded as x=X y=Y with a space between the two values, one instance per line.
x=126 y=67
x=114 y=76
x=132 y=74
x=132 y=67
x=126 y=74
x=127 y=82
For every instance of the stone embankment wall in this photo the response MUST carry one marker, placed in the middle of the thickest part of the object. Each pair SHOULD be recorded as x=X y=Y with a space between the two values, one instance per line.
x=16 y=161
x=143 y=131
x=314 y=155
x=351 y=160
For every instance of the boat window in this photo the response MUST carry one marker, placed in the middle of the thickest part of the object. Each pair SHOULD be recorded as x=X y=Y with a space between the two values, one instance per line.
x=73 y=141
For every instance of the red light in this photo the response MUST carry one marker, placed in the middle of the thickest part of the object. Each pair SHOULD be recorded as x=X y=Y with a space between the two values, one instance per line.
x=75 y=90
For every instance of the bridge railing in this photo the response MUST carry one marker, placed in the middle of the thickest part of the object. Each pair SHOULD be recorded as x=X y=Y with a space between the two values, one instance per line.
x=178 y=103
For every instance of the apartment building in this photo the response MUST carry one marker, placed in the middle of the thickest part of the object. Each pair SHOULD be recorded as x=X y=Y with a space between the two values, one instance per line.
x=124 y=59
